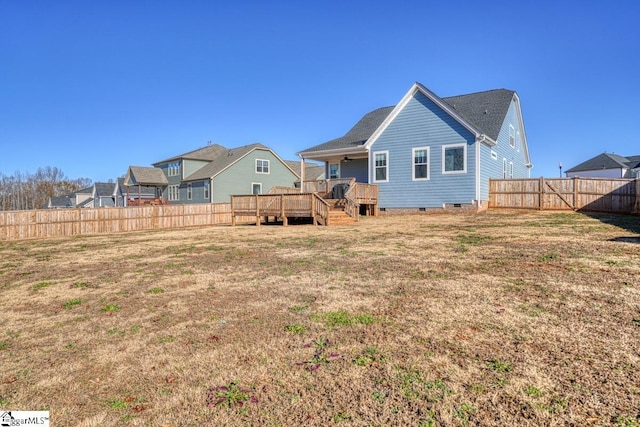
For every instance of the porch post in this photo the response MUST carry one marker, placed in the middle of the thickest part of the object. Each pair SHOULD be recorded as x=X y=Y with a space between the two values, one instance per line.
x=301 y=174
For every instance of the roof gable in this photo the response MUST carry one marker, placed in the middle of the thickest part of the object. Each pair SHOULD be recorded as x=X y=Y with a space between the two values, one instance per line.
x=603 y=161
x=139 y=175
x=208 y=153
x=485 y=110
x=227 y=159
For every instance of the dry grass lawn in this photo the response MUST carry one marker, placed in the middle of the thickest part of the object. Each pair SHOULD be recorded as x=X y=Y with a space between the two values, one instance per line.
x=501 y=318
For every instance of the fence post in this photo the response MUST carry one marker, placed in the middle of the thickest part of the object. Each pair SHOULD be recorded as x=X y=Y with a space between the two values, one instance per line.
x=257 y=211
x=541 y=194
x=637 y=182
x=285 y=222
x=576 y=194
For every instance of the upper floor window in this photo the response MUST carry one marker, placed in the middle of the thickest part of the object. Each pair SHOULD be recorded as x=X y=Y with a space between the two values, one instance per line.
x=454 y=158
x=381 y=166
x=420 y=163
x=512 y=136
x=173 y=169
x=262 y=166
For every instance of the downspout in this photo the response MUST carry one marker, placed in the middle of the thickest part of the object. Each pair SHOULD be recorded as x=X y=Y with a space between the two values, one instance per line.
x=479 y=140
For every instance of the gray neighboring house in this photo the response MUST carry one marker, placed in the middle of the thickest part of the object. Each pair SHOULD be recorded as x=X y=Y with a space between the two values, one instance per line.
x=607 y=165
x=144 y=185
x=100 y=194
x=213 y=174
x=312 y=171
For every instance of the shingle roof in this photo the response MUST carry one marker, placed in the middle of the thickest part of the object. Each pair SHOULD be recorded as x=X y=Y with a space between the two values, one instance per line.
x=358 y=134
x=483 y=110
x=312 y=171
x=104 y=189
x=225 y=159
x=139 y=175
x=60 y=202
x=208 y=153
x=607 y=161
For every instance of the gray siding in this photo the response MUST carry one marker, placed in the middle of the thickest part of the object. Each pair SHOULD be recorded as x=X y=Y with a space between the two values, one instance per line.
x=237 y=179
x=190 y=166
x=356 y=168
x=423 y=124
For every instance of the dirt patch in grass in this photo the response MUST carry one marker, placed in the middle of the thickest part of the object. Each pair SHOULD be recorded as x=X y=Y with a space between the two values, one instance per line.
x=502 y=318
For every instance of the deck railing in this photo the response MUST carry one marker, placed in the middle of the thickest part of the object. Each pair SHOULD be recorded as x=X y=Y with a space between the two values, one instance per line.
x=283 y=205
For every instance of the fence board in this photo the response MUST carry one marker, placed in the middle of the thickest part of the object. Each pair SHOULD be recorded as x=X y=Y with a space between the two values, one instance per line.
x=46 y=223
x=583 y=194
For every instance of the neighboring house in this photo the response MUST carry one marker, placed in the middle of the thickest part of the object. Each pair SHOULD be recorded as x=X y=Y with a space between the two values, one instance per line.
x=214 y=173
x=607 y=165
x=100 y=194
x=430 y=152
x=144 y=185
x=312 y=171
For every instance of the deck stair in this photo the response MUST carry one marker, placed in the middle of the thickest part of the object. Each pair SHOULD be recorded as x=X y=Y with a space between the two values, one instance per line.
x=337 y=215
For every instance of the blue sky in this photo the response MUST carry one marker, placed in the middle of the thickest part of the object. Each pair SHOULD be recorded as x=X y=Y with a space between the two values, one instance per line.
x=93 y=87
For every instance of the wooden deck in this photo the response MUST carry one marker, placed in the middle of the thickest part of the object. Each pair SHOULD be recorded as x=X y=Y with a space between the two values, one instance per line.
x=317 y=203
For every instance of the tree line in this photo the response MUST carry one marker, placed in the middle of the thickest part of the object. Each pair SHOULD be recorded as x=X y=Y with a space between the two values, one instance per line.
x=24 y=191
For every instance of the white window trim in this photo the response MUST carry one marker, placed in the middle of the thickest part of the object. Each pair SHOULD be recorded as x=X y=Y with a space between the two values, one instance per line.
x=511 y=170
x=339 y=170
x=256 y=183
x=268 y=166
x=494 y=155
x=464 y=159
x=413 y=163
x=512 y=132
x=174 y=192
x=386 y=153
x=504 y=168
x=189 y=191
x=206 y=190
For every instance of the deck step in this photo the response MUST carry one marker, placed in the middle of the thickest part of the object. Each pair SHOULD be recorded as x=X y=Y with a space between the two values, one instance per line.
x=339 y=217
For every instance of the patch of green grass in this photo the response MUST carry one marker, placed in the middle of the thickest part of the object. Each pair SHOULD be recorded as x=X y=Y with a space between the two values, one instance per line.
x=110 y=308
x=116 y=331
x=343 y=318
x=473 y=239
x=135 y=329
x=229 y=395
x=41 y=285
x=463 y=413
x=499 y=366
x=79 y=285
x=156 y=291
x=68 y=305
x=533 y=391
x=296 y=328
x=622 y=421
x=4 y=345
x=548 y=257
x=340 y=417
x=117 y=404
x=369 y=356
x=299 y=308
x=166 y=339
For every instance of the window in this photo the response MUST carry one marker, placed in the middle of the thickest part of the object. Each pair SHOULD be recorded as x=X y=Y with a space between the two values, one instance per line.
x=334 y=170
x=454 y=158
x=262 y=166
x=420 y=163
x=189 y=191
x=206 y=190
x=512 y=136
x=173 y=169
x=504 y=168
x=511 y=170
x=174 y=192
x=494 y=155
x=256 y=188
x=518 y=141
x=381 y=166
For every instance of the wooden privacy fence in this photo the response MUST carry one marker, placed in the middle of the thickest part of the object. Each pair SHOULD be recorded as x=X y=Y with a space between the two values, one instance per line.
x=18 y=225
x=578 y=194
